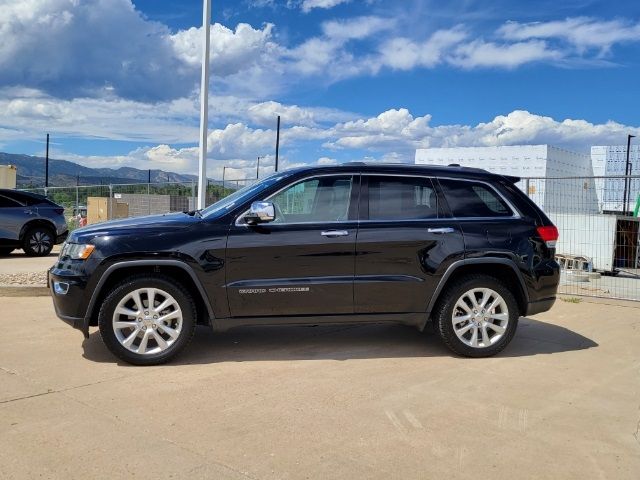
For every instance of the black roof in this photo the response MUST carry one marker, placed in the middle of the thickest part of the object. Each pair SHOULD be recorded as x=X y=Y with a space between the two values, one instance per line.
x=387 y=168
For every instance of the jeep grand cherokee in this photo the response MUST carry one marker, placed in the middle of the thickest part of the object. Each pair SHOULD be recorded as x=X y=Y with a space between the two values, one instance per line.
x=460 y=248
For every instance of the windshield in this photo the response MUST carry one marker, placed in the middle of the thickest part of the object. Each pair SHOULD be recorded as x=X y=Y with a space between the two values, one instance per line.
x=240 y=196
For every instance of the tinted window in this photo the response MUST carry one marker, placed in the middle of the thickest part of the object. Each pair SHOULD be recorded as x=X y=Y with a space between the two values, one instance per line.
x=401 y=198
x=321 y=199
x=27 y=199
x=7 y=202
x=472 y=199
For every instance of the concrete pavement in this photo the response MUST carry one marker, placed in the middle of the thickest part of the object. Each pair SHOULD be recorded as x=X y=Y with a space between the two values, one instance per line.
x=562 y=401
x=18 y=262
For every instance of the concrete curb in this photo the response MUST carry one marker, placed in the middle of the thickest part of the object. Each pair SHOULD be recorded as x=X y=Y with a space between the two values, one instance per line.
x=24 y=291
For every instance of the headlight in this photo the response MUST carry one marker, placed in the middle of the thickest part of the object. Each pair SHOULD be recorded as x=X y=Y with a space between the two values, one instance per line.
x=77 y=251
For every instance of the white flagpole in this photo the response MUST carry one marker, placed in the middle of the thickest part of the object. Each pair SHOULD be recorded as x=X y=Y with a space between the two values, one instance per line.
x=204 y=105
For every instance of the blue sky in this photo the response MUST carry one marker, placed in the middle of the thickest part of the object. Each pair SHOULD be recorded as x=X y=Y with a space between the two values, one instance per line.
x=116 y=81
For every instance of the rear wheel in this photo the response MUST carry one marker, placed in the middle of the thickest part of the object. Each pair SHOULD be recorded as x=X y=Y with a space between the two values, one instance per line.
x=147 y=320
x=38 y=242
x=477 y=316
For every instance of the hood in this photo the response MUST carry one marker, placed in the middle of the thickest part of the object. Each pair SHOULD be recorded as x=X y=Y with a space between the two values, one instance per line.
x=137 y=225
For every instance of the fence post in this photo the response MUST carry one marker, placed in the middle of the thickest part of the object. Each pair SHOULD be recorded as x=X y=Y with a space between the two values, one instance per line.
x=109 y=210
x=75 y=219
x=527 y=187
x=193 y=194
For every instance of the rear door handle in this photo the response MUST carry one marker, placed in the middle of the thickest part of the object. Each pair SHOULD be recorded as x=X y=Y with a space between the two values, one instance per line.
x=441 y=230
x=334 y=233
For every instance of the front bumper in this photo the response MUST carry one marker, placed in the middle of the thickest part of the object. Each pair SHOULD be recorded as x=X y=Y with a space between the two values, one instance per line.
x=66 y=293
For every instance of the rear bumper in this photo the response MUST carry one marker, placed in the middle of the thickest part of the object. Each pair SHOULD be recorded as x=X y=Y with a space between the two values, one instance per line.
x=540 y=306
x=62 y=237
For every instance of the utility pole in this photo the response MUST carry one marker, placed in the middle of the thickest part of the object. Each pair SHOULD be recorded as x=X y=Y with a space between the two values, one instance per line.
x=258 y=169
x=224 y=172
x=204 y=104
x=46 y=165
x=627 y=173
x=277 y=143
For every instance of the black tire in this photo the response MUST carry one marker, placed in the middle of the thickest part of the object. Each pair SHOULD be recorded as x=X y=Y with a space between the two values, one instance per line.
x=120 y=291
x=38 y=241
x=4 y=251
x=443 y=315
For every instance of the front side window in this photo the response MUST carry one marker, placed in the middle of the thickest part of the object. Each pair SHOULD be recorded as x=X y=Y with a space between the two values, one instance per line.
x=320 y=199
x=473 y=199
x=402 y=198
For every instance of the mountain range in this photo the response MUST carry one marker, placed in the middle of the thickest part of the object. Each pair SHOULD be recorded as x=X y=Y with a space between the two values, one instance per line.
x=63 y=173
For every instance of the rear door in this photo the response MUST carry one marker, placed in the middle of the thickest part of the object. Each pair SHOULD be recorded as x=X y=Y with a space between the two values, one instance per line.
x=489 y=222
x=303 y=262
x=12 y=216
x=406 y=241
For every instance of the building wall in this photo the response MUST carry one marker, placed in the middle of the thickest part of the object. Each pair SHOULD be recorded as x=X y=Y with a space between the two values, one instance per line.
x=576 y=195
x=610 y=160
x=143 y=204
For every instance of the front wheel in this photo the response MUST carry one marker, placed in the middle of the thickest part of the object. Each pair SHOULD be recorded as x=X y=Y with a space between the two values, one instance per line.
x=477 y=316
x=147 y=319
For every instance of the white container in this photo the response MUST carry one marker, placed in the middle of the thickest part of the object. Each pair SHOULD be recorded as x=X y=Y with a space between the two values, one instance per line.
x=593 y=236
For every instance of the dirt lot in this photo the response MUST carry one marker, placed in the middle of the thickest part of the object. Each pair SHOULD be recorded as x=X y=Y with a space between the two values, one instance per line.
x=563 y=401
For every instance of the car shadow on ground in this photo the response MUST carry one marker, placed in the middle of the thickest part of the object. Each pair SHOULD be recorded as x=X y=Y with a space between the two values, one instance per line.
x=344 y=342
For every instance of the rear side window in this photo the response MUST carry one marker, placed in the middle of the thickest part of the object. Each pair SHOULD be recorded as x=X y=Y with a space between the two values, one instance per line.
x=25 y=199
x=473 y=199
x=7 y=202
x=401 y=198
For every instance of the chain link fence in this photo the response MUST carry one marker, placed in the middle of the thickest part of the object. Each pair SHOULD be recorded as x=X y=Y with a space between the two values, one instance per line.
x=597 y=217
x=599 y=244
x=86 y=204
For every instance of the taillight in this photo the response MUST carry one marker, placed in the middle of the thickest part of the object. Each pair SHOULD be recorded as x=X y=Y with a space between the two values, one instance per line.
x=58 y=211
x=549 y=234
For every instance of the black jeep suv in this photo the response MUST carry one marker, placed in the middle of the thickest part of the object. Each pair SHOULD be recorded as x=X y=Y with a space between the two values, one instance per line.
x=461 y=248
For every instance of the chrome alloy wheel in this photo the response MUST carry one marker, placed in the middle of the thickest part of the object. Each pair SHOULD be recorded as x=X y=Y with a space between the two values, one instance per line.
x=480 y=317
x=147 y=321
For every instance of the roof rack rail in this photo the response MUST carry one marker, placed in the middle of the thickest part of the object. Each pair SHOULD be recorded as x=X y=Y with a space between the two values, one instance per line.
x=353 y=163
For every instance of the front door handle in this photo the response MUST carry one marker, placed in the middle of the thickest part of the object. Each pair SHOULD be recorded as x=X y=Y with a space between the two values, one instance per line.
x=441 y=230
x=334 y=233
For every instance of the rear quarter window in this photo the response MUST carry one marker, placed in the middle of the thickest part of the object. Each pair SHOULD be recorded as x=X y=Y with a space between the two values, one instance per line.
x=473 y=199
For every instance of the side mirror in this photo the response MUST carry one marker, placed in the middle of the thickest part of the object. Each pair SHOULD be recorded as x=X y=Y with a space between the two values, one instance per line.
x=260 y=212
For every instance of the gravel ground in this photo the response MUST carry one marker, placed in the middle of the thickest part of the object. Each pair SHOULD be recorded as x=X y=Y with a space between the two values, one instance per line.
x=23 y=278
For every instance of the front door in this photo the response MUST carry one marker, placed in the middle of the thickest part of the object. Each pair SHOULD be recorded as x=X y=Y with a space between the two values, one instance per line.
x=405 y=242
x=302 y=263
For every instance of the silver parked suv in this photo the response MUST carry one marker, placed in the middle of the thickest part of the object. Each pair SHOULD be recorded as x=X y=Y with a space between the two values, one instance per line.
x=31 y=222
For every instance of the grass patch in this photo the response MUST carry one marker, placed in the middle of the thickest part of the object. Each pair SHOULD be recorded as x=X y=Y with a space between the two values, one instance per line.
x=571 y=299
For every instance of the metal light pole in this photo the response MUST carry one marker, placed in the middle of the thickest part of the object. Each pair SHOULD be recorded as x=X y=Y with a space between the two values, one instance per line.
x=204 y=104
x=278 y=143
x=627 y=172
x=258 y=169
x=224 y=173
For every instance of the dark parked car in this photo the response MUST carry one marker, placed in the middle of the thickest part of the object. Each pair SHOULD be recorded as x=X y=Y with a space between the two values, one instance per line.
x=461 y=248
x=31 y=222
